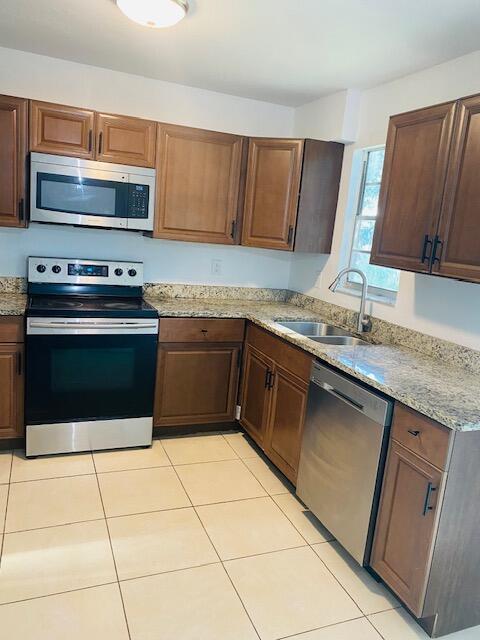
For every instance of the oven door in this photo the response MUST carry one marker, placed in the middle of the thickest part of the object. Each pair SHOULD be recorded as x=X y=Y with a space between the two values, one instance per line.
x=89 y=369
x=76 y=195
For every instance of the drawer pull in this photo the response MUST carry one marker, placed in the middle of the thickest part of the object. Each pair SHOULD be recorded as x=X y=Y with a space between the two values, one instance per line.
x=414 y=432
x=204 y=330
x=426 y=506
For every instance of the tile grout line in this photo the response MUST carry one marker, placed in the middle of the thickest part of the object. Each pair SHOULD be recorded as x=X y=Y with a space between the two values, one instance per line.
x=111 y=550
x=6 y=508
x=327 y=626
x=57 y=593
x=215 y=549
x=364 y=615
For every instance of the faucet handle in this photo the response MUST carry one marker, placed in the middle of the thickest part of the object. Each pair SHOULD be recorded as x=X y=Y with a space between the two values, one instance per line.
x=366 y=324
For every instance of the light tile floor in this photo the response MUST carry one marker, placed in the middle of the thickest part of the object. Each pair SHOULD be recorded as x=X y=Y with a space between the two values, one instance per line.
x=197 y=538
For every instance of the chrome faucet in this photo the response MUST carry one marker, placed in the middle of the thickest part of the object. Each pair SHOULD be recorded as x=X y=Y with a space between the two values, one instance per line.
x=364 y=323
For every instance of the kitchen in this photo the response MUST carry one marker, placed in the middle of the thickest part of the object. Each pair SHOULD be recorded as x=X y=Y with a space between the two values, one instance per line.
x=261 y=199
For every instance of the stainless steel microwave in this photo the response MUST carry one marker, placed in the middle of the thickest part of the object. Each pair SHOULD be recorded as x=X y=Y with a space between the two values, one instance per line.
x=66 y=190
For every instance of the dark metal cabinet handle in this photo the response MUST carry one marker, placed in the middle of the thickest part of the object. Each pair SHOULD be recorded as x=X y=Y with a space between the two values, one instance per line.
x=437 y=243
x=271 y=381
x=90 y=140
x=413 y=432
x=426 y=243
x=21 y=210
x=100 y=142
x=426 y=506
x=290 y=235
x=268 y=373
x=234 y=227
x=204 y=331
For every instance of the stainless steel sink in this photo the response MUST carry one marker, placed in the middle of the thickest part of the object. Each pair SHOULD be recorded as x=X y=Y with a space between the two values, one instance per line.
x=338 y=340
x=311 y=329
x=322 y=332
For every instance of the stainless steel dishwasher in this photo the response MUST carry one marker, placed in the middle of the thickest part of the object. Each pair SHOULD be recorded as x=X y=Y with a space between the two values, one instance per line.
x=342 y=457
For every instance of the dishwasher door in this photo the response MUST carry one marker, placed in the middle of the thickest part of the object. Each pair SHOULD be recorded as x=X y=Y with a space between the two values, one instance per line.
x=343 y=456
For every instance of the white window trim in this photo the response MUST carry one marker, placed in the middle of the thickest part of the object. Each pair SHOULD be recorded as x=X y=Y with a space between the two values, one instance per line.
x=375 y=294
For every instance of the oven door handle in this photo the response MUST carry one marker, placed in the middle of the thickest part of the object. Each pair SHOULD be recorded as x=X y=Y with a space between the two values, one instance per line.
x=92 y=325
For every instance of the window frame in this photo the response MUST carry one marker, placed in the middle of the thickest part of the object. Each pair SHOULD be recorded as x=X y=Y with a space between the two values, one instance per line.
x=375 y=293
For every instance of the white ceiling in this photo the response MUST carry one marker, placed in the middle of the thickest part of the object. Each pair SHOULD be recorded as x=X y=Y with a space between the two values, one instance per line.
x=283 y=51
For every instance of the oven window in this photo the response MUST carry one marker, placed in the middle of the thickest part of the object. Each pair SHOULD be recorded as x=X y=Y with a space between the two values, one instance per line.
x=83 y=196
x=92 y=377
x=72 y=370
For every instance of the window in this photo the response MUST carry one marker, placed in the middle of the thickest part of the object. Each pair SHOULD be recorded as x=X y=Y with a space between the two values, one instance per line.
x=383 y=282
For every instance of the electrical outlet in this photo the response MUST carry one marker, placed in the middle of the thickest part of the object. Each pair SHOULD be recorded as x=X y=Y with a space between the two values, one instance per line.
x=217 y=267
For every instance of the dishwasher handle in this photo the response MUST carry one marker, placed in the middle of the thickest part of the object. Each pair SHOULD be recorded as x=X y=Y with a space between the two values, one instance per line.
x=342 y=396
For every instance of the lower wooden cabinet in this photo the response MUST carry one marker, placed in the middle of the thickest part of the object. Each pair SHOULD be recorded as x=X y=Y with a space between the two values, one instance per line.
x=197 y=371
x=406 y=525
x=255 y=393
x=11 y=378
x=274 y=397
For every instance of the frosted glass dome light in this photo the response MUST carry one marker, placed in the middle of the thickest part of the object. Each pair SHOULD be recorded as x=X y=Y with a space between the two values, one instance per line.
x=154 y=13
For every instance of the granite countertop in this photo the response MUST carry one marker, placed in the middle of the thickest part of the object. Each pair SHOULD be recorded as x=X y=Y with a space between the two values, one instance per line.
x=448 y=394
x=442 y=392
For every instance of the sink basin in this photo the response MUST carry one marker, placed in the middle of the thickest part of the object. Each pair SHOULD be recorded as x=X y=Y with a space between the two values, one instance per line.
x=338 y=340
x=313 y=329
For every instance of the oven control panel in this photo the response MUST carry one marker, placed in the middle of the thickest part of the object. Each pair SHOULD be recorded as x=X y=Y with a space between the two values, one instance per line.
x=77 y=271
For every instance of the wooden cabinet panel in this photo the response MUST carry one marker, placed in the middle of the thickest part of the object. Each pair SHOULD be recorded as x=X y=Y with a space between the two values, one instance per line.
x=426 y=438
x=293 y=359
x=125 y=140
x=201 y=330
x=416 y=158
x=11 y=390
x=12 y=329
x=198 y=184
x=271 y=192
x=406 y=524
x=458 y=245
x=285 y=425
x=196 y=383
x=255 y=398
x=62 y=130
x=13 y=158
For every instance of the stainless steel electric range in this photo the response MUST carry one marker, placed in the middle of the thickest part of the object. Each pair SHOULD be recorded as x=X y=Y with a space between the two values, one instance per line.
x=91 y=350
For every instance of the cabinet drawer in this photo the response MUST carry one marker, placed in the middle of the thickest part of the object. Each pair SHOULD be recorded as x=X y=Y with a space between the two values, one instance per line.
x=426 y=438
x=201 y=330
x=289 y=357
x=11 y=329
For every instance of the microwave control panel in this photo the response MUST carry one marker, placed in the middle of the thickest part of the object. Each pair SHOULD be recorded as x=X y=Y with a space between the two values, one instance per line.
x=138 y=196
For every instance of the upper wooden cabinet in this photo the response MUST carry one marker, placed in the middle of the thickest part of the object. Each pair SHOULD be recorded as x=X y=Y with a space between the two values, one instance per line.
x=13 y=158
x=416 y=159
x=82 y=133
x=62 y=130
x=125 y=140
x=198 y=185
x=458 y=240
x=291 y=194
x=430 y=194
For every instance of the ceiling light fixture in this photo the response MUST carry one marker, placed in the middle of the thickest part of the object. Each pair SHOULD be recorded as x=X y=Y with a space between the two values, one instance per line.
x=154 y=13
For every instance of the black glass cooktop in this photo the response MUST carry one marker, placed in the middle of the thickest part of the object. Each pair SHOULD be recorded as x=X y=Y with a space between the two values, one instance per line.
x=89 y=307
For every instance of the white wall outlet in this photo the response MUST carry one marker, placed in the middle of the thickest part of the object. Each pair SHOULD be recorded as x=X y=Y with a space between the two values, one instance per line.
x=216 y=267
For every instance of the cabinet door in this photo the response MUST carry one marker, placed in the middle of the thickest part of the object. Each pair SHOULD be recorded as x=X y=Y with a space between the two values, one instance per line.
x=406 y=524
x=125 y=140
x=286 y=420
x=198 y=184
x=459 y=257
x=411 y=194
x=271 y=193
x=62 y=130
x=11 y=390
x=13 y=156
x=196 y=383
x=257 y=370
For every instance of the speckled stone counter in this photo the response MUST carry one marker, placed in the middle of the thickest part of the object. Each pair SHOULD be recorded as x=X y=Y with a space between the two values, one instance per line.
x=12 y=304
x=448 y=394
